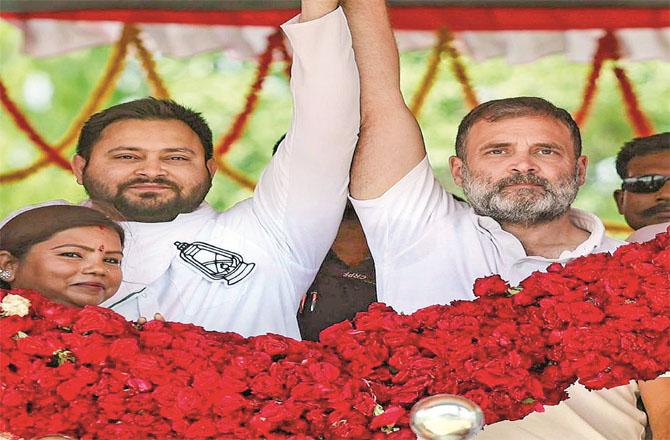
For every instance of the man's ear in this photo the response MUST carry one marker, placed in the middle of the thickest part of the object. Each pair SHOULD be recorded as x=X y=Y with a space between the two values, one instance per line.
x=10 y=264
x=582 y=164
x=456 y=165
x=78 y=165
x=618 y=198
x=211 y=166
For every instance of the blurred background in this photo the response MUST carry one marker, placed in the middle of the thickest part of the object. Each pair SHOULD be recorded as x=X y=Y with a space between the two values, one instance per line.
x=50 y=91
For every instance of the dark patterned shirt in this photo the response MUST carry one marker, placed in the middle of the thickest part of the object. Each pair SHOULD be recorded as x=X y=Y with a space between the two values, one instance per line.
x=337 y=293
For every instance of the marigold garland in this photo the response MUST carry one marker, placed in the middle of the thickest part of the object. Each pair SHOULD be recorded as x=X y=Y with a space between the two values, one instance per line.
x=264 y=61
x=460 y=72
x=99 y=95
x=159 y=89
x=640 y=122
x=608 y=49
x=23 y=124
x=430 y=75
x=234 y=174
x=444 y=44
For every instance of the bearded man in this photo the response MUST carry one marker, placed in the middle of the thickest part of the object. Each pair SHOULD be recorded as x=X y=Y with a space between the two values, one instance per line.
x=520 y=165
x=148 y=163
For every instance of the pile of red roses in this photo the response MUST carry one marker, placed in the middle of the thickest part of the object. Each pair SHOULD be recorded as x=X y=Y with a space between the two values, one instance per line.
x=88 y=373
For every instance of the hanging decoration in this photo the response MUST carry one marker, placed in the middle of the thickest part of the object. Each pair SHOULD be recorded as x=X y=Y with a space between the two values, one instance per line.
x=241 y=120
x=608 y=49
x=23 y=125
x=430 y=75
x=99 y=95
x=460 y=73
x=639 y=120
x=444 y=44
x=158 y=88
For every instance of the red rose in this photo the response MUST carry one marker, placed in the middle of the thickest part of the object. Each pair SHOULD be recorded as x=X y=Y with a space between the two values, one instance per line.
x=99 y=320
x=490 y=286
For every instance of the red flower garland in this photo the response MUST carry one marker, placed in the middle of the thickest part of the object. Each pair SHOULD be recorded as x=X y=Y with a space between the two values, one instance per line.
x=25 y=126
x=90 y=374
x=264 y=61
x=640 y=122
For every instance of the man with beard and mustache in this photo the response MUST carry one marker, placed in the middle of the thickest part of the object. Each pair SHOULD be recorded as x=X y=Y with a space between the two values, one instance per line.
x=520 y=165
x=644 y=198
x=148 y=163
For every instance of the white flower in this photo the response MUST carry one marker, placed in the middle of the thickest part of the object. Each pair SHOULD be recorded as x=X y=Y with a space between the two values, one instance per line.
x=14 y=305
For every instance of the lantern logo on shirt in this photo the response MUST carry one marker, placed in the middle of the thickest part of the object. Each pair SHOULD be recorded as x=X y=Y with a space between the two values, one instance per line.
x=215 y=263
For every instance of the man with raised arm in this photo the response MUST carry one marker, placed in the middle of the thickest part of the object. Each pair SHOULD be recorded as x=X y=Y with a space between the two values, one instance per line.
x=149 y=164
x=519 y=163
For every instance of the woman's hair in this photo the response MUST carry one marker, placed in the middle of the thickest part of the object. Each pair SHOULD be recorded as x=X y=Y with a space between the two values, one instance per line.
x=34 y=226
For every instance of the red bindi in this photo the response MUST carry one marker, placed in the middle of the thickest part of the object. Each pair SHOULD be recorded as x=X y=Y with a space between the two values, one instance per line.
x=101 y=248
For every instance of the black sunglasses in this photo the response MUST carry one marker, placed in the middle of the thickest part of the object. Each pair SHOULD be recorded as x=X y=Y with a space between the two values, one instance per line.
x=644 y=184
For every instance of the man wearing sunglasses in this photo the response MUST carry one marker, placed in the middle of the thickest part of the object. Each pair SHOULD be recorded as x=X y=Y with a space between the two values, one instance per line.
x=644 y=197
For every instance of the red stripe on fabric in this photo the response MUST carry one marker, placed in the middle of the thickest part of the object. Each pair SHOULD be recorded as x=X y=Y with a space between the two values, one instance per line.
x=406 y=18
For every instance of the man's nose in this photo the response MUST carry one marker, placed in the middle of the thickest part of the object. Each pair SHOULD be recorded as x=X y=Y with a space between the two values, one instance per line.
x=522 y=163
x=151 y=167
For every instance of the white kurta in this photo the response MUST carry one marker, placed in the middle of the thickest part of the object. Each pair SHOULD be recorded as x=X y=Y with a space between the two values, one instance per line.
x=429 y=248
x=244 y=270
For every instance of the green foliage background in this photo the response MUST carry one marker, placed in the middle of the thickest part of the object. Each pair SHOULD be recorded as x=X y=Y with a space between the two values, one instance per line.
x=216 y=84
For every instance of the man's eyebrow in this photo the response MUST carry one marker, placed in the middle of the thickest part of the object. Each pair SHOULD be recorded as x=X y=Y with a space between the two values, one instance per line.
x=495 y=145
x=164 y=150
x=124 y=148
x=553 y=145
x=178 y=150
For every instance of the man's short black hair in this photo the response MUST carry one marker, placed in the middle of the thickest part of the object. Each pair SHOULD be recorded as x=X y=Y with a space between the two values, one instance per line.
x=517 y=107
x=641 y=146
x=144 y=109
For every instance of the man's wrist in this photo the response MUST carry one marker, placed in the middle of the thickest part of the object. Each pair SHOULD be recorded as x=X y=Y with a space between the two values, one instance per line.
x=313 y=9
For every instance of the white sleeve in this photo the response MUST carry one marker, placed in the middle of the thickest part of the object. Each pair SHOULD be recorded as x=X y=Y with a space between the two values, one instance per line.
x=406 y=212
x=301 y=195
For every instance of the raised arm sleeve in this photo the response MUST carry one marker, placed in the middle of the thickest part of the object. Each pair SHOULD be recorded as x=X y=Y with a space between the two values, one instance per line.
x=301 y=195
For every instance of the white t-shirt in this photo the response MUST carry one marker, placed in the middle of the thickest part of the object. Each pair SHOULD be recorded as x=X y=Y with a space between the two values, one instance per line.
x=244 y=270
x=429 y=248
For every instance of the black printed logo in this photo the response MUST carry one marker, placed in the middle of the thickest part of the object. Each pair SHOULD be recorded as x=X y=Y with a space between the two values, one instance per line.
x=215 y=263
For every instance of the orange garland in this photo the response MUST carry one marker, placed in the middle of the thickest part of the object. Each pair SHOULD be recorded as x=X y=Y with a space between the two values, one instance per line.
x=100 y=94
x=159 y=90
x=445 y=44
x=607 y=49
x=429 y=77
x=460 y=73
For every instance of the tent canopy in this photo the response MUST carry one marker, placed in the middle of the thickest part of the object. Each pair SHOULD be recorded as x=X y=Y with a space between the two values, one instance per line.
x=457 y=15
